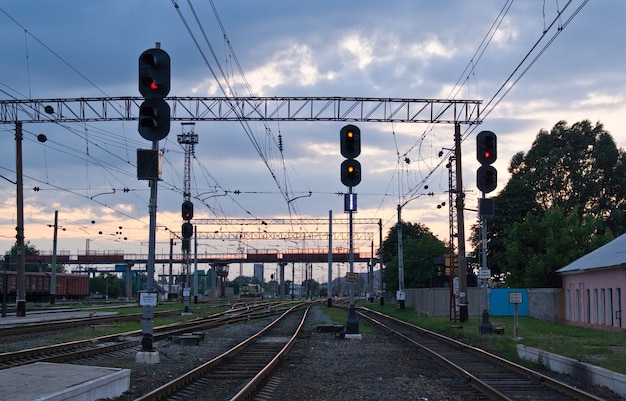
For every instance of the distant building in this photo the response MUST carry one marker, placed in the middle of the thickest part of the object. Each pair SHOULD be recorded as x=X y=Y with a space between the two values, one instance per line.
x=259 y=271
x=594 y=287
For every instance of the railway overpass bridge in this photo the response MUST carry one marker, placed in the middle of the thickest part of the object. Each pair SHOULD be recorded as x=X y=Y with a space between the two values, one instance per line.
x=318 y=255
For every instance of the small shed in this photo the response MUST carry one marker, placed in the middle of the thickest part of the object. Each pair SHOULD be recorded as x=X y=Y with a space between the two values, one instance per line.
x=594 y=287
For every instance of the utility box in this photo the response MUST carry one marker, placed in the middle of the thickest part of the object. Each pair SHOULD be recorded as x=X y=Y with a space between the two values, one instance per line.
x=148 y=164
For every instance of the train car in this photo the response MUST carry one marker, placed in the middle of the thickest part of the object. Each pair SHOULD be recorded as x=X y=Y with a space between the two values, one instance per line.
x=37 y=284
x=251 y=291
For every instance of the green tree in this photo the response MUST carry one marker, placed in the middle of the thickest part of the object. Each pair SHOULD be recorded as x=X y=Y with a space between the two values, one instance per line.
x=577 y=169
x=420 y=247
x=106 y=284
x=31 y=250
x=542 y=244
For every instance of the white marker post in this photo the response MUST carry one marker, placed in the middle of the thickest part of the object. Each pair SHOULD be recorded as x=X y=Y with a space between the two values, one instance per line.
x=515 y=298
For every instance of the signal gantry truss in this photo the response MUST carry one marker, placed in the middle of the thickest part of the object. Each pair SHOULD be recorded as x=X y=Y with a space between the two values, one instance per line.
x=436 y=111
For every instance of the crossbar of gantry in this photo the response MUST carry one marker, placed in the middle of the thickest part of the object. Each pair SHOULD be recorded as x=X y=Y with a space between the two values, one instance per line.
x=250 y=236
x=126 y=108
x=290 y=222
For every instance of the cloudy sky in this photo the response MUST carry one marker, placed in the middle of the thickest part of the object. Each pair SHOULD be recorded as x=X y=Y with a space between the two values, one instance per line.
x=531 y=63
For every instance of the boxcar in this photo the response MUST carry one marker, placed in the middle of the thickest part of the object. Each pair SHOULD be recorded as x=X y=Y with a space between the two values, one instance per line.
x=70 y=286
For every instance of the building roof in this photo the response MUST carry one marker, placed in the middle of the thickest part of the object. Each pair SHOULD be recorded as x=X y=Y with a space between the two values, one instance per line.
x=612 y=254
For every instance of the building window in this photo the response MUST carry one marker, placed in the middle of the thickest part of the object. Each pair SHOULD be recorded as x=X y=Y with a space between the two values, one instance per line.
x=611 y=307
x=568 y=302
x=602 y=307
x=618 y=312
x=577 y=306
x=587 y=306
x=596 y=306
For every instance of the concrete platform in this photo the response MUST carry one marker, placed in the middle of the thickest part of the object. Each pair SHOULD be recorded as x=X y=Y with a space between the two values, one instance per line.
x=44 y=381
x=591 y=374
x=38 y=317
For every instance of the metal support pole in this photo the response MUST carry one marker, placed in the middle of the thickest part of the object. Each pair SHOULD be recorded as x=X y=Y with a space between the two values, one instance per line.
x=485 y=326
x=352 y=326
x=195 y=265
x=381 y=264
x=5 y=283
x=330 y=259
x=148 y=297
x=53 y=277
x=460 y=202
x=371 y=275
x=400 y=295
x=171 y=278
x=21 y=255
x=186 y=284
x=281 y=273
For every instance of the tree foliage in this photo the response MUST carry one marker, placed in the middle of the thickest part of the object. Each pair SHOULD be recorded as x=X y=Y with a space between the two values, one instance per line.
x=106 y=285
x=542 y=243
x=420 y=247
x=576 y=168
x=31 y=250
x=569 y=189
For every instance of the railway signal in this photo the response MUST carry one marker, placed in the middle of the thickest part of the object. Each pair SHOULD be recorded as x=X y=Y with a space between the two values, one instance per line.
x=487 y=178
x=350 y=172
x=187 y=230
x=187 y=210
x=154 y=85
x=350 y=146
x=154 y=73
x=350 y=141
x=486 y=147
x=486 y=154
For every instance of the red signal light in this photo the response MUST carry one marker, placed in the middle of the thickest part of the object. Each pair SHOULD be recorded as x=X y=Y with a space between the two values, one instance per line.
x=154 y=86
x=487 y=155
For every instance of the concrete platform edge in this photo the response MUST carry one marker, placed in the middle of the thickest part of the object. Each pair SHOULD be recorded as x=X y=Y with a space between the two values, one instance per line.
x=591 y=374
x=105 y=387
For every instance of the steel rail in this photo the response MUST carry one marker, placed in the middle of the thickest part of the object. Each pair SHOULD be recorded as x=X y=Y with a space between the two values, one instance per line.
x=546 y=380
x=250 y=389
x=195 y=374
x=94 y=346
x=475 y=381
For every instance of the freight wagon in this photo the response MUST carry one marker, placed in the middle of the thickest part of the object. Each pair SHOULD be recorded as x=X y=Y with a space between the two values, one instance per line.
x=69 y=286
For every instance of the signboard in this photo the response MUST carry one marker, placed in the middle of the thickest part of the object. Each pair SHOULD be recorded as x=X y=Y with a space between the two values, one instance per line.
x=484 y=274
x=148 y=299
x=186 y=292
x=352 y=277
x=515 y=297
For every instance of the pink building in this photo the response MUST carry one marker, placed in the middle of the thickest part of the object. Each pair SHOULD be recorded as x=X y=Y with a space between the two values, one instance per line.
x=594 y=287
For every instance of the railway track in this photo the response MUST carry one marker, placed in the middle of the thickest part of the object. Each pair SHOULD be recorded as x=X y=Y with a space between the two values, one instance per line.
x=239 y=372
x=75 y=350
x=22 y=329
x=494 y=377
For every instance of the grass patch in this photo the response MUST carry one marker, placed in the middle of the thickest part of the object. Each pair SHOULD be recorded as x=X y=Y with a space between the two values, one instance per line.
x=604 y=349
